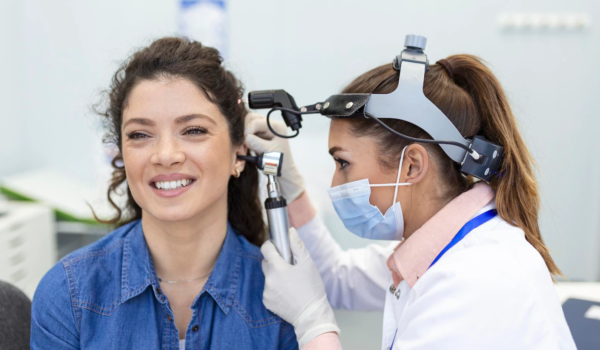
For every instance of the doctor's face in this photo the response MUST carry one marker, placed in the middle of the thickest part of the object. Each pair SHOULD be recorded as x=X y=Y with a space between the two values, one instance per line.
x=357 y=158
x=177 y=151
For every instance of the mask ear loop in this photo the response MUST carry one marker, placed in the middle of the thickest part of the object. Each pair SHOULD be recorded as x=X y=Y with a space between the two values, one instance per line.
x=398 y=178
x=397 y=184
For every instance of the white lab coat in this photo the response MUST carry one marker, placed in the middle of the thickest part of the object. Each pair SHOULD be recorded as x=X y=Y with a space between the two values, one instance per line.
x=491 y=290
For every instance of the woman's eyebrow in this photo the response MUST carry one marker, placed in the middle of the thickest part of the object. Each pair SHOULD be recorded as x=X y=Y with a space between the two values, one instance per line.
x=187 y=118
x=142 y=121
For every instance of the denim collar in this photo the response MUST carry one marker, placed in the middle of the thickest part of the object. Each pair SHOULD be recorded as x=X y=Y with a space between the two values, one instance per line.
x=138 y=270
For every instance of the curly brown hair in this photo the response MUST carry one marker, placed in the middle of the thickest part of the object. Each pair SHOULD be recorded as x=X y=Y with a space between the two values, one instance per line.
x=203 y=66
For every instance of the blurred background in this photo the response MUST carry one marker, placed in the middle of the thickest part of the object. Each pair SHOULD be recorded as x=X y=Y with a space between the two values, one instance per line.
x=57 y=57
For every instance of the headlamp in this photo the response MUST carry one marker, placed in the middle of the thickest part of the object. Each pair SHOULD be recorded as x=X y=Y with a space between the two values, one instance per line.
x=477 y=156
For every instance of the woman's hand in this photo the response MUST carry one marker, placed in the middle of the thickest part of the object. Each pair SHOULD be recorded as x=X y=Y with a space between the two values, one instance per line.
x=296 y=292
x=260 y=139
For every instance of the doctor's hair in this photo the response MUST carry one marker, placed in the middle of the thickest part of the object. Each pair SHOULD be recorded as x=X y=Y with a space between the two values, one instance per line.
x=469 y=94
x=174 y=57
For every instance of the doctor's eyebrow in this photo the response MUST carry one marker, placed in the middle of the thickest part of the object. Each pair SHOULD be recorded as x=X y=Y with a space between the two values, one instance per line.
x=334 y=149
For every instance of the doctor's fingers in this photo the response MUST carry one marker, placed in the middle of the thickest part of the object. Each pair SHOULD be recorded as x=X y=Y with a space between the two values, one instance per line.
x=253 y=115
x=272 y=259
x=257 y=144
x=258 y=126
x=297 y=245
x=256 y=123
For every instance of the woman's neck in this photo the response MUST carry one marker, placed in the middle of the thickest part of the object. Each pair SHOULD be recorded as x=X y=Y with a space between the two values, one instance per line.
x=186 y=250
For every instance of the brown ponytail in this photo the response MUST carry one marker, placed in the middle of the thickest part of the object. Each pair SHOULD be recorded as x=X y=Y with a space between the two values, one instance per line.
x=467 y=92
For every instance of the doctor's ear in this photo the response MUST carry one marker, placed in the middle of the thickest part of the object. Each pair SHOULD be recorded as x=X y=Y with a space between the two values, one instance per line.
x=416 y=163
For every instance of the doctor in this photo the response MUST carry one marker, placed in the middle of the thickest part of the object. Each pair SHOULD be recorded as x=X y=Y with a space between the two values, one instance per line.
x=468 y=268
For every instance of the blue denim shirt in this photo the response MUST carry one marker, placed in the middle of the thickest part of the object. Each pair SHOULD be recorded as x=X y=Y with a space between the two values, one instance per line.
x=106 y=296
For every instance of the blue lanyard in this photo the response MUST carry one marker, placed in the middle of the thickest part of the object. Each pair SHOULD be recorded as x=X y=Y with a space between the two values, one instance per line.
x=469 y=226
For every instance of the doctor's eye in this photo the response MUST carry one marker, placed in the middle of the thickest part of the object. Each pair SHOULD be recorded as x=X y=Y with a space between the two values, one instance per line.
x=342 y=162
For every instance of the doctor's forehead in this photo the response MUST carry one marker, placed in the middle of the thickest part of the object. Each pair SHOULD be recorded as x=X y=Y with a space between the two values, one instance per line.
x=339 y=131
x=341 y=137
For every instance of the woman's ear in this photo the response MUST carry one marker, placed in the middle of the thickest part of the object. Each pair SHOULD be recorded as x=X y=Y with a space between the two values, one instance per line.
x=416 y=163
x=239 y=164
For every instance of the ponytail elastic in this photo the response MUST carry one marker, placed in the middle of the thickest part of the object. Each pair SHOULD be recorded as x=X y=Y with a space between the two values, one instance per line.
x=447 y=66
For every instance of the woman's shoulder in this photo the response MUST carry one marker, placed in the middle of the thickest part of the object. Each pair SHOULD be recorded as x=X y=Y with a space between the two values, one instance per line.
x=81 y=269
x=108 y=243
x=250 y=270
x=249 y=250
x=251 y=283
x=493 y=282
x=495 y=257
x=105 y=246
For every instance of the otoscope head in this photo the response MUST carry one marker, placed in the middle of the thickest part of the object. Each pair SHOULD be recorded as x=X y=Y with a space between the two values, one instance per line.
x=270 y=162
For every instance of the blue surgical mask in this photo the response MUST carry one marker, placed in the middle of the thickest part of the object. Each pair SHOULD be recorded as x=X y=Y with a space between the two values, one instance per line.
x=351 y=202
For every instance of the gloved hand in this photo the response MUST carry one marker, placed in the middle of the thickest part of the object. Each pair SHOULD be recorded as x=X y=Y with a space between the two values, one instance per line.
x=296 y=292
x=260 y=139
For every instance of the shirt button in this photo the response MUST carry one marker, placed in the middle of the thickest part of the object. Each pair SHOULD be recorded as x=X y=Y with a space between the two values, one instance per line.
x=397 y=294
x=392 y=288
x=158 y=291
x=195 y=328
x=169 y=318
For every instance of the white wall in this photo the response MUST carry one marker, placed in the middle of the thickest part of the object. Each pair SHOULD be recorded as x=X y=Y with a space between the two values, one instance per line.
x=60 y=54
x=10 y=125
x=69 y=51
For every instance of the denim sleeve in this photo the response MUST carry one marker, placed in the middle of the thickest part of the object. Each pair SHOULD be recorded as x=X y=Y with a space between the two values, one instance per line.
x=287 y=337
x=53 y=324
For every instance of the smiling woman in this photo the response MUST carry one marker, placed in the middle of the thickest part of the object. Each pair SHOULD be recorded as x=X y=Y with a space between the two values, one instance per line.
x=183 y=269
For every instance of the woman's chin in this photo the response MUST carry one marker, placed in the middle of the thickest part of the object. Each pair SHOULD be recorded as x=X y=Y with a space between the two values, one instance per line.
x=172 y=214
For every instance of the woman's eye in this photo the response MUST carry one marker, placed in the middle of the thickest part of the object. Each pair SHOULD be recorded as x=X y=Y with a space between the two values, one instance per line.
x=342 y=163
x=196 y=130
x=135 y=135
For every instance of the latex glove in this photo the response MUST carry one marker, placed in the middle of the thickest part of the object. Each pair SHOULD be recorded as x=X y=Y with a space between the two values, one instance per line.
x=260 y=139
x=296 y=292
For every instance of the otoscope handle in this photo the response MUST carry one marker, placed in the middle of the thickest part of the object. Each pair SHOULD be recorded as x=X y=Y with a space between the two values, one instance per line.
x=270 y=163
x=279 y=228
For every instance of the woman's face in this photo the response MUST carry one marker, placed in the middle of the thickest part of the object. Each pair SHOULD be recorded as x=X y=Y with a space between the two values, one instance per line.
x=177 y=150
x=357 y=158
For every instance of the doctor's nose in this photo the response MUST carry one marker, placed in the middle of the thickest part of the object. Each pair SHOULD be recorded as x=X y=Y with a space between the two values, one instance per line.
x=167 y=153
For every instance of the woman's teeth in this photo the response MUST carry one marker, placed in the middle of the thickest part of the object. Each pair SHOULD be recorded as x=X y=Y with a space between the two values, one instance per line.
x=172 y=185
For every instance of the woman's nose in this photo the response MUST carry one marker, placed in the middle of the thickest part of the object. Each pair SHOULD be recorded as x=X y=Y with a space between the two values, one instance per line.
x=167 y=153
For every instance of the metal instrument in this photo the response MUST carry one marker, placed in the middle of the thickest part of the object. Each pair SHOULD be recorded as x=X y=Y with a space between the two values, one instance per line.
x=271 y=163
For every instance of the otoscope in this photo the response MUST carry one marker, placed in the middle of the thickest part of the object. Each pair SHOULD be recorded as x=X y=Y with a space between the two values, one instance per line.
x=270 y=163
